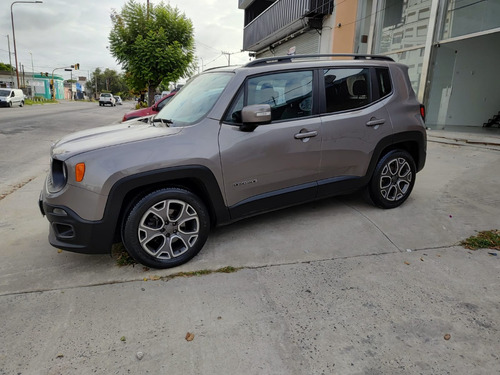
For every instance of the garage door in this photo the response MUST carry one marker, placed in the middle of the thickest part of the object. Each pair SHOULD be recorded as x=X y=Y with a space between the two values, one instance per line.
x=305 y=44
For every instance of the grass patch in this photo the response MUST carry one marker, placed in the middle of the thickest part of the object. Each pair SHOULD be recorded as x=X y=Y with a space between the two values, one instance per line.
x=121 y=255
x=123 y=258
x=39 y=100
x=489 y=239
x=227 y=269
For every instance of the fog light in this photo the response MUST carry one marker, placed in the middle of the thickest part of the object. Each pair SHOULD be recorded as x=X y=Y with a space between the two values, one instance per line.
x=59 y=212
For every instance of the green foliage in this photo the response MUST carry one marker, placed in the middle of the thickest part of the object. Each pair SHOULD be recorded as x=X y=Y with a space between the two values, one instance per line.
x=39 y=100
x=489 y=239
x=140 y=105
x=152 y=46
x=108 y=81
x=121 y=255
x=5 y=67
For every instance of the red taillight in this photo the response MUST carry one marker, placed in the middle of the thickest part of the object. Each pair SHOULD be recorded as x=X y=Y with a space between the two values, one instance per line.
x=422 y=111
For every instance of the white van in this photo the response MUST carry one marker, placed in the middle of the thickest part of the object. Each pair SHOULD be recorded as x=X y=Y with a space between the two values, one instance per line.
x=11 y=97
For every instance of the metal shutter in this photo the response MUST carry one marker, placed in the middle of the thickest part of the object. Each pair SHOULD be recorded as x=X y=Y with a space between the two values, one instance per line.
x=307 y=43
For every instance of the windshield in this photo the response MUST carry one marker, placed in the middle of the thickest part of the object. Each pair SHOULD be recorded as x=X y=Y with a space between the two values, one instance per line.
x=4 y=92
x=194 y=101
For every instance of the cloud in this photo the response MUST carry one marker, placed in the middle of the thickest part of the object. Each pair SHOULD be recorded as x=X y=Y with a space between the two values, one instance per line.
x=60 y=33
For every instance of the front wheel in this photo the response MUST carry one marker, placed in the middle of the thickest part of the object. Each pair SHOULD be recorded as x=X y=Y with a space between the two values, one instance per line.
x=166 y=228
x=393 y=179
x=21 y=104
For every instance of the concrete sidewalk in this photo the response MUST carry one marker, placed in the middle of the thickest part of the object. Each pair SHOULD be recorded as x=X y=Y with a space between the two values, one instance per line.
x=334 y=287
x=488 y=138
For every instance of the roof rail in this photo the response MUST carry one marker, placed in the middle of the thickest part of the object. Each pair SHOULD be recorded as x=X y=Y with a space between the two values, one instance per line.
x=289 y=58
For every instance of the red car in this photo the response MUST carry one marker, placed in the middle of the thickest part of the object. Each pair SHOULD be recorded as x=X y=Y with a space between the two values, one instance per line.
x=153 y=110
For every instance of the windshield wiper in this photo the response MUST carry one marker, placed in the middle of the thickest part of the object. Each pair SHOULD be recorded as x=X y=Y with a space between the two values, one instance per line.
x=163 y=121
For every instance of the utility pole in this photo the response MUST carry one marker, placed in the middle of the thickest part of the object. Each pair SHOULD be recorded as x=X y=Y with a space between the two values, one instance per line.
x=228 y=54
x=32 y=77
x=13 y=32
x=10 y=62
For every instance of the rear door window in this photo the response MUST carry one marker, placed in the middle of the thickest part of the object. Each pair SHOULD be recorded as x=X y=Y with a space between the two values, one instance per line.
x=347 y=88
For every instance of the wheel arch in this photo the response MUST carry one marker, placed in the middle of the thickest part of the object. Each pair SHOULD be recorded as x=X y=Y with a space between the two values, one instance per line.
x=412 y=142
x=197 y=179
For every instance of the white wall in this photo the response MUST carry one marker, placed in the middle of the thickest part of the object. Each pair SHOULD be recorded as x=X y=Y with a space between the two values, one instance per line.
x=465 y=88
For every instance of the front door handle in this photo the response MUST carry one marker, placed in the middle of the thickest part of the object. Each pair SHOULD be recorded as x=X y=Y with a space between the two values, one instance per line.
x=306 y=134
x=374 y=121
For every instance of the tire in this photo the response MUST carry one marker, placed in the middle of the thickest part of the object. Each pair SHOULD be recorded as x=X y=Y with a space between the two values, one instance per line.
x=166 y=228
x=10 y=104
x=393 y=179
x=21 y=104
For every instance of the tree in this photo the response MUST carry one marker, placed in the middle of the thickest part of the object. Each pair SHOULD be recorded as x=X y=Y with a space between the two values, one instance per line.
x=5 y=67
x=107 y=81
x=153 y=45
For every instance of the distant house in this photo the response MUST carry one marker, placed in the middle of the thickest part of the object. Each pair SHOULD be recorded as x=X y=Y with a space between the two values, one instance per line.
x=37 y=84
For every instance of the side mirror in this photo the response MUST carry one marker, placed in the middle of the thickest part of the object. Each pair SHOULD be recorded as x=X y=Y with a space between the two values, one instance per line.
x=255 y=115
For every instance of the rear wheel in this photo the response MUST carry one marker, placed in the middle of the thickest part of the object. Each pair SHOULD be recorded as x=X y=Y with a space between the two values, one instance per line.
x=393 y=179
x=166 y=228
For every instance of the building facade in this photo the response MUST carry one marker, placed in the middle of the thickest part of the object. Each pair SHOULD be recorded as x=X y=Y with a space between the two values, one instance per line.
x=37 y=85
x=450 y=46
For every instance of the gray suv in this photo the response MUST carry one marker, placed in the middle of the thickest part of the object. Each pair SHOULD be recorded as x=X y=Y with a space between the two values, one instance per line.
x=235 y=142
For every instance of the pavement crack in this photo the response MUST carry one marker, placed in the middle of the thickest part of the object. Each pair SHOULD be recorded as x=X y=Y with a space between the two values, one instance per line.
x=199 y=273
x=375 y=225
x=16 y=188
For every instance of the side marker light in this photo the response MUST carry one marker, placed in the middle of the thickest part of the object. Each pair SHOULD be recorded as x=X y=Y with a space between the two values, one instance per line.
x=79 y=172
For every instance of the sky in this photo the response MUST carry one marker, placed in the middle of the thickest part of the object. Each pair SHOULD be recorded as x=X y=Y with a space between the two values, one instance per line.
x=59 y=33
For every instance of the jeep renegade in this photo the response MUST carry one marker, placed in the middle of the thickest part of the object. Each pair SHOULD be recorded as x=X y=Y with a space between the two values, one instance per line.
x=235 y=142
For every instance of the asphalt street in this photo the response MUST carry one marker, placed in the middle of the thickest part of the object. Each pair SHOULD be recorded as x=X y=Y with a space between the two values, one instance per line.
x=332 y=287
x=26 y=134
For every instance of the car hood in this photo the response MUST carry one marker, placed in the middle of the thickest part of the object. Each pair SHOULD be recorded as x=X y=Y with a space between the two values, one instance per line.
x=107 y=136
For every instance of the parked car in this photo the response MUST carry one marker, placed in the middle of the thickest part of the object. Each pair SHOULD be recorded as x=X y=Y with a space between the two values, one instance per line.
x=11 y=97
x=235 y=142
x=118 y=100
x=154 y=109
x=107 y=98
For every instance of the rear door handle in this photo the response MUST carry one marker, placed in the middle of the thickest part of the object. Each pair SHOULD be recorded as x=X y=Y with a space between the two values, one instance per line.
x=311 y=134
x=374 y=121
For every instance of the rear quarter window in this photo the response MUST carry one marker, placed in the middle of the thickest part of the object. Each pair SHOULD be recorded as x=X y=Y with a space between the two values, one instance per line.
x=384 y=82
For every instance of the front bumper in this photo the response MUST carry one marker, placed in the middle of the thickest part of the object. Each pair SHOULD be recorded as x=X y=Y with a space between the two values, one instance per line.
x=70 y=232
